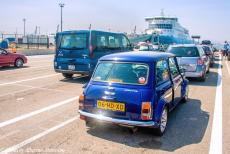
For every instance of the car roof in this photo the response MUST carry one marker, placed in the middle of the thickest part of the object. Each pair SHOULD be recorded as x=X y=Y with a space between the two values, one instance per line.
x=86 y=31
x=137 y=56
x=184 y=45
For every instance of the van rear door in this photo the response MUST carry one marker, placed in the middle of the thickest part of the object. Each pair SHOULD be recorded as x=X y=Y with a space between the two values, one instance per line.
x=73 y=51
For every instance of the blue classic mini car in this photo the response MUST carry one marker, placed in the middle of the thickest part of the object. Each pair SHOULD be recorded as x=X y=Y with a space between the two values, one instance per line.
x=134 y=89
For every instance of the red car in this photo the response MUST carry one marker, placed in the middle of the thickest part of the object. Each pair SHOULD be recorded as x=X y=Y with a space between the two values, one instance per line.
x=7 y=59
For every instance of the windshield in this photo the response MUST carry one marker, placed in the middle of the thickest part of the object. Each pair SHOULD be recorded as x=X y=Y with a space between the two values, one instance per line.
x=124 y=73
x=73 y=41
x=184 y=51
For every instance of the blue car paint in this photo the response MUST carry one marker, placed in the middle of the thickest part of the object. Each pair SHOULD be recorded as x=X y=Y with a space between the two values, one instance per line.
x=82 y=60
x=133 y=95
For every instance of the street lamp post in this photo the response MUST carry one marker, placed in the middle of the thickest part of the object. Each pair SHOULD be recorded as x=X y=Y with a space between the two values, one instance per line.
x=24 y=21
x=61 y=5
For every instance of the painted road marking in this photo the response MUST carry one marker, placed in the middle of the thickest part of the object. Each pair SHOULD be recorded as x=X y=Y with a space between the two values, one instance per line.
x=38 y=136
x=40 y=56
x=19 y=81
x=28 y=115
x=26 y=68
x=43 y=88
x=228 y=68
x=216 y=136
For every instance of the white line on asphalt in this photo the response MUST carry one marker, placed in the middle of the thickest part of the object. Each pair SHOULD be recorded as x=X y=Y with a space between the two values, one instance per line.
x=42 y=88
x=216 y=136
x=228 y=68
x=28 y=115
x=41 y=61
x=40 y=56
x=38 y=136
x=27 y=68
x=19 y=81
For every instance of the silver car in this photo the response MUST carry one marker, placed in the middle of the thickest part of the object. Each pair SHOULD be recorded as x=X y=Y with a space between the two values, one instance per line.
x=193 y=59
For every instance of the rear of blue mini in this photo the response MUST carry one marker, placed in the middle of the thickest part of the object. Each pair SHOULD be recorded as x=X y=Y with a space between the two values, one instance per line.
x=137 y=102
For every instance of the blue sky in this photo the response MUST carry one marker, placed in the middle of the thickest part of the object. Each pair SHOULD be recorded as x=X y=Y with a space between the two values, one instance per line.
x=208 y=18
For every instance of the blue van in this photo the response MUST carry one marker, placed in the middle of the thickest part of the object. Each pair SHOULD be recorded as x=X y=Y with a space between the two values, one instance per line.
x=77 y=52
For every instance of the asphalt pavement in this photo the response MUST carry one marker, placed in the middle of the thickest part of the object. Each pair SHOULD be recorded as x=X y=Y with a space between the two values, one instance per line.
x=38 y=114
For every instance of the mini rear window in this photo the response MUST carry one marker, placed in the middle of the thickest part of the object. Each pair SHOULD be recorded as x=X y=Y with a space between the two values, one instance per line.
x=123 y=73
x=184 y=51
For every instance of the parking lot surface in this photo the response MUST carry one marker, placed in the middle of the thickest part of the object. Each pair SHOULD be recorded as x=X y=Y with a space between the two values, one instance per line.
x=38 y=114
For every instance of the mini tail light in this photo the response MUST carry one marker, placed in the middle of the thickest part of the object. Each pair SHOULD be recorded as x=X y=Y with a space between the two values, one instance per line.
x=200 y=61
x=146 y=111
x=81 y=101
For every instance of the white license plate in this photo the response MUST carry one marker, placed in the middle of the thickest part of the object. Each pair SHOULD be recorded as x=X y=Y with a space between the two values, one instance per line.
x=71 y=67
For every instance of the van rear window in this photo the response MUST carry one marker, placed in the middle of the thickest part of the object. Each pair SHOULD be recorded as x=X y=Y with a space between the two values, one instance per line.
x=73 y=41
x=184 y=51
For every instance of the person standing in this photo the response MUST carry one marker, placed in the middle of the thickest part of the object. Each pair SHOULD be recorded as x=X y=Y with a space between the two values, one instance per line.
x=226 y=48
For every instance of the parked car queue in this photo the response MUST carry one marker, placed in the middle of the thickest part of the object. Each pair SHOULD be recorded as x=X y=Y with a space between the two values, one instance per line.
x=134 y=89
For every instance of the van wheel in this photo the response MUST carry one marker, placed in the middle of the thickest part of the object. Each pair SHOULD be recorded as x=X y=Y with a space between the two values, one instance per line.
x=68 y=76
x=18 y=62
x=163 y=122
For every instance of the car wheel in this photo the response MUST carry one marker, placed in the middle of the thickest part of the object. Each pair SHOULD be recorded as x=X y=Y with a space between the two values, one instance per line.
x=89 y=122
x=163 y=122
x=18 y=62
x=185 y=98
x=68 y=76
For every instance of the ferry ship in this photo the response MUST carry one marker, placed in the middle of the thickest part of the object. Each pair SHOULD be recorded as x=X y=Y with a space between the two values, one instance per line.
x=163 y=30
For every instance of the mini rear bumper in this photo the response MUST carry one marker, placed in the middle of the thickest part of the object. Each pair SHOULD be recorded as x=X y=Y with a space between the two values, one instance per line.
x=119 y=121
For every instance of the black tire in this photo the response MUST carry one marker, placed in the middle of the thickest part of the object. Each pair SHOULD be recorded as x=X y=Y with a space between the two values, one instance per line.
x=163 y=122
x=67 y=75
x=18 y=62
x=185 y=98
x=89 y=122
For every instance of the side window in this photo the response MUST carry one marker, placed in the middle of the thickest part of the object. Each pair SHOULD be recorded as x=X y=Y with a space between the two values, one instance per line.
x=101 y=42
x=125 y=42
x=162 y=73
x=114 y=41
x=173 y=68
